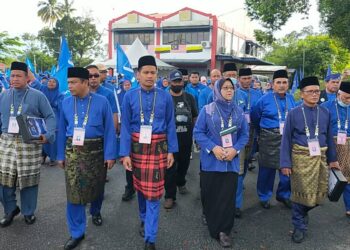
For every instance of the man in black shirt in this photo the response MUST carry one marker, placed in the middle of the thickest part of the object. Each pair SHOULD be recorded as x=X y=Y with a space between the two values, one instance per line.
x=185 y=116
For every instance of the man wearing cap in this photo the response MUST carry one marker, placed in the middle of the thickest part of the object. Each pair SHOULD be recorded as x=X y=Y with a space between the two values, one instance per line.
x=306 y=149
x=103 y=77
x=339 y=110
x=96 y=87
x=252 y=97
x=148 y=141
x=215 y=75
x=20 y=162
x=332 y=86
x=269 y=116
x=185 y=117
x=86 y=148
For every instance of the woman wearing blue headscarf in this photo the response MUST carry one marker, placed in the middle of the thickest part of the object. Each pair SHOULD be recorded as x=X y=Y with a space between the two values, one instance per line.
x=163 y=83
x=51 y=91
x=221 y=131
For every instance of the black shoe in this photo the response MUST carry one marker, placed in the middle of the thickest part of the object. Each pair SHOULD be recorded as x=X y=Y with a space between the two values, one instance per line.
x=265 y=204
x=73 y=243
x=142 y=230
x=238 y=213
x=286 y=202
x=150 y=246
x=7 y=220
x=204 y=220
x=298 y=236
x=224 y=240
x=97 y=219
x=29 y=219
x=128 y=194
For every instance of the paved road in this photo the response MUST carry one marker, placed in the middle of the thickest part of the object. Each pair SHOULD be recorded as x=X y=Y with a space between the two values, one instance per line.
x=179 y=228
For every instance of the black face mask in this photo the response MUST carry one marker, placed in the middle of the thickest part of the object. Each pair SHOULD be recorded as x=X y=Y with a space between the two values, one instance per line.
x=176 y=88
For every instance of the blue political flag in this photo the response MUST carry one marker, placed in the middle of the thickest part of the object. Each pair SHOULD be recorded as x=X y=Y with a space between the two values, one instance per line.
x=295 y=83
x=124 y=67
x=64 y=62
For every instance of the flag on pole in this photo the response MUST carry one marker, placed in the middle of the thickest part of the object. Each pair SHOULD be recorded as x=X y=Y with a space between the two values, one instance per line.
x=53 y=70
x=329 y=71
x=301 y=74
x=64 y=62
x=295 y=83
x=30 y=65
x=123 y=66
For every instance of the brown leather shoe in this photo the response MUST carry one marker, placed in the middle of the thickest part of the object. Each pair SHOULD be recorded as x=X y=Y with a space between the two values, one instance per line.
x=224 y=240
x=169 y=203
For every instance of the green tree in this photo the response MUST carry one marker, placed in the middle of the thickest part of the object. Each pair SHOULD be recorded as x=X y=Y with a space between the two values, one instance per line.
x=273 y=14
x=36 y=51
x=50 y=11
x=83 y=40
x=335 y=17
x=319 y=51
x=9 y=47
x=68 y=8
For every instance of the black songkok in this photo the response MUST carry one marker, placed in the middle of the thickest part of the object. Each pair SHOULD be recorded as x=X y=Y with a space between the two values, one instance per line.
x=19 y=66
x=230 y=67
x=78 y=72
x=245 y=72
x=345 y=87
x=309 y=81
x=146 y=60
x=280 y=74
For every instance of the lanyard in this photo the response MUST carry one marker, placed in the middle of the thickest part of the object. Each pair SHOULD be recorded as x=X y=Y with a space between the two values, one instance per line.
x=222 y=120
x=279 y=111
x=12 y=107
x=307 y=130
x=338 y=118
x=152 y=113
x=248 y=104
x=86 y=114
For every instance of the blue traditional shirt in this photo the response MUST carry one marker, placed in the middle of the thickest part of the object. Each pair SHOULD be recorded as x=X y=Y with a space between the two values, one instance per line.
x=265 y=113
x=99 y=125
x=195 y=90
x=294 y=132
x=110 y=97
x=34 y=103
x=164 y=118
x=108 y=85
x=344 y=114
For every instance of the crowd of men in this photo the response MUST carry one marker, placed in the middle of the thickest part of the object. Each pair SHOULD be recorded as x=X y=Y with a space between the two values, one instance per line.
x=151 y=129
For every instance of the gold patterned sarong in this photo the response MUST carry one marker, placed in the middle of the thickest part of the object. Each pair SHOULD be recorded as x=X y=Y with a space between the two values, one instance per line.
x=343 y=155
x=309 y=178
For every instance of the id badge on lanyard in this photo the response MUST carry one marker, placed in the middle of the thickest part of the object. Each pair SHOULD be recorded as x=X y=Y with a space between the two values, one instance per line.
x=145 y=134
x=13 y=127
x=78 y=136
x=341 y=137
x=281 y=127
x=227 y=141
x=314 y=147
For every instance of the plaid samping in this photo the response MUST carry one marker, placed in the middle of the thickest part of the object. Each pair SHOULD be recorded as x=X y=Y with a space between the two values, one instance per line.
x=149 y=162
x=19 y=162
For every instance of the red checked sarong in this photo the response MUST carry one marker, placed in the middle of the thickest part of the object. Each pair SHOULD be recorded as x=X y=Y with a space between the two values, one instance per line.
x=149 y=162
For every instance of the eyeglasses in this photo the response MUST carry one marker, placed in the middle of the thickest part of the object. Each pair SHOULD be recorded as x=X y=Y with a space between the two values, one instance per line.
x=228 y=88
x=95 y=76
x=312 y=92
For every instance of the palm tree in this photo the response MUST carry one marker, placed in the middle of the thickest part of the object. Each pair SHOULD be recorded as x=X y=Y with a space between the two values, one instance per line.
x=50 y=11
x=67 y=8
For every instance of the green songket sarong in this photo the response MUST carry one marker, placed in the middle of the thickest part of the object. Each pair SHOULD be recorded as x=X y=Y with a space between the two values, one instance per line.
x=85 y=171
x=309 y=178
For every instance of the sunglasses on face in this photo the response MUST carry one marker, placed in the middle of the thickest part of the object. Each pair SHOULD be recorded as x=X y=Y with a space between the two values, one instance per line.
x=94 y=76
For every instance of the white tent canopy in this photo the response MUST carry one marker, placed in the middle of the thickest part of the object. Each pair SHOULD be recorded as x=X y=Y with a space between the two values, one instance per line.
x=134 y=52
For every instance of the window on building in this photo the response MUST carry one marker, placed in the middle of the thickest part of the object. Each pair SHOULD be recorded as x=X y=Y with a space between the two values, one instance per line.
x=184 y=37
x=128 y=37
